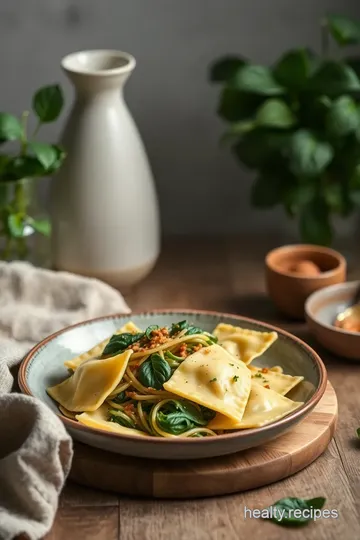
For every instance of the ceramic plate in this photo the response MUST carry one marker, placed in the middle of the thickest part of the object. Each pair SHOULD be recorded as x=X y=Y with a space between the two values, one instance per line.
x=44 y=366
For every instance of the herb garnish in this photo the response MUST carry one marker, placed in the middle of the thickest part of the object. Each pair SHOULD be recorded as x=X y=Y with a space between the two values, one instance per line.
x=290 y=511
x=213 y=380
x=235 y=378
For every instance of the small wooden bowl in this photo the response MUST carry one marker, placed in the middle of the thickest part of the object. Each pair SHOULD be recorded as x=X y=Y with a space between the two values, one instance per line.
x=289 y=290
x=321 y=309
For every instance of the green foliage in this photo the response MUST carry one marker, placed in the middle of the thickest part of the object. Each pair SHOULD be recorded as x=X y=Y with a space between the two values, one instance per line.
x=297 y=125
x=289 y=511
x=177 y=416
x=154 y=372
x=32 y=160
x=119 y=342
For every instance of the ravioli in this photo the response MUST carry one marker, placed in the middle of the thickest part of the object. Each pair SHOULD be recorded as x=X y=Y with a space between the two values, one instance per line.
x=213 y=378
x=98 y=420
x=67 y=413
x=97 y=351
x=275 y=380
x=264 y=406
x=242 y=343
x=91 y=383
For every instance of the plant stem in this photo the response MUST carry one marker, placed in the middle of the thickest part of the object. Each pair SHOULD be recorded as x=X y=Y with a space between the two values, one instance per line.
x=24 y=119
x=36 y=130
x=324 y=39
x=6 y=252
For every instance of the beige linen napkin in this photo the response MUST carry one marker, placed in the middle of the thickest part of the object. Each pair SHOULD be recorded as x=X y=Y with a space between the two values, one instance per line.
x=35 y=449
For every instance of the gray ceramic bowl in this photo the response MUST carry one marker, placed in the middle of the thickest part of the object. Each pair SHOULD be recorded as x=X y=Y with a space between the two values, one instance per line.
x=44 y=366
x=322 y=307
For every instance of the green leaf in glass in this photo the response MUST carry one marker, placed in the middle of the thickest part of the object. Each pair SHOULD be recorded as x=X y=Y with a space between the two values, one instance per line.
x=16 y=224
x=45 y=153
x=48 y=103
x=10 y=128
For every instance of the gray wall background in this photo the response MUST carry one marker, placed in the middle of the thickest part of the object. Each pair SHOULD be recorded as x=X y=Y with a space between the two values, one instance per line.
x=168 y=94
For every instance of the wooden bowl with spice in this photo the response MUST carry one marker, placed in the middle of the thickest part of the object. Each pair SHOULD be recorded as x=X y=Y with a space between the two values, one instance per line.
x=294 y=272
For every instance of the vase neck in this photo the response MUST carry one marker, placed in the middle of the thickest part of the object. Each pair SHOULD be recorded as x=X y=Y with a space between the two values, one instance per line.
x=97 y=71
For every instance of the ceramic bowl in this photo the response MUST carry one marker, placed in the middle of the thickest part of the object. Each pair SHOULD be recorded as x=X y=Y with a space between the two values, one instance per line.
x=321 y=309
x=289 y=290
x=44 y=366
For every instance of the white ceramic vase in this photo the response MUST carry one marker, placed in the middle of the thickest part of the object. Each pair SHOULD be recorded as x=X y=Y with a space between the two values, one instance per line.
x=104 y=205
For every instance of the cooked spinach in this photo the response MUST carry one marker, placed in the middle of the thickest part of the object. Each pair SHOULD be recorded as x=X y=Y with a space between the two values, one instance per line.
x=154 y=372
x=178 y=327
x=119 y=342
x=179 y=416
x=194 y=330
x=150 y=329
x=290 y=511
x=121 y=418
x=120 y=398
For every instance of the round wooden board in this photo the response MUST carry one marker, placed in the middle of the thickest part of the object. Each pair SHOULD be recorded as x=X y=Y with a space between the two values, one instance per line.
x=249 y=469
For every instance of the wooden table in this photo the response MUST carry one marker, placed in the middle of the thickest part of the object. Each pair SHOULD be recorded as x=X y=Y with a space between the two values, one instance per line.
x=227 y=275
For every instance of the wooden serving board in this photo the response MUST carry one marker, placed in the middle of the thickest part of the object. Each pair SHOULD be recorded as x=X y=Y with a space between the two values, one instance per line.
x=244 y=470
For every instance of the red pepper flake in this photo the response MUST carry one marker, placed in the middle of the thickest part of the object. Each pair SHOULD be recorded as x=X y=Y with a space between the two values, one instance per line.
x=267 y=386
x=264 y=370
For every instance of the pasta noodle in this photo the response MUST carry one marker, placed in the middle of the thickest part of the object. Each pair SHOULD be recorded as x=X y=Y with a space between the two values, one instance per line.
x=176 y=381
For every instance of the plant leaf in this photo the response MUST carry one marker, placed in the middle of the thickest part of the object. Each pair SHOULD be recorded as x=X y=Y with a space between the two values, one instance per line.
x=315 y=226
x=294 y=68
x=154 y=372
x=266 y=191
x=296 y=194
x=344 y=30
x=10 y=128
x=308 y=156
x=259 y=147
x=150 y=329
x=45 y=153
x=225 y=68
x=284 y=509
x=48 y=103
x=119 y=417
x=24 y=167
x=275 y=113
x=334 y=78
x=119 y=342
x=194 y=330
x=178 y=327
x=16 y=224
x=42 y=226
x=178 y=416
x=257 y=80
x=235 y=105
x=342 y=117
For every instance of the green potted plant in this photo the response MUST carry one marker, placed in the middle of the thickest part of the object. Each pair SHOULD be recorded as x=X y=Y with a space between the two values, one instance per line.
x=24 y=223
x=297 y=125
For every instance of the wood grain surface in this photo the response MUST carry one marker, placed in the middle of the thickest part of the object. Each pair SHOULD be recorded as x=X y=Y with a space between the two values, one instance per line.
x=228 y=275
x=252 y=468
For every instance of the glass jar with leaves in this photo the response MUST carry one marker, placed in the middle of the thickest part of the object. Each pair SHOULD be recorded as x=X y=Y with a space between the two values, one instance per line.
x=24 y=224
x=297 y=124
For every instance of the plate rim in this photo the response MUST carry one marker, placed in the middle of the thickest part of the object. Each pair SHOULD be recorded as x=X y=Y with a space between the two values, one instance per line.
x=240 y=434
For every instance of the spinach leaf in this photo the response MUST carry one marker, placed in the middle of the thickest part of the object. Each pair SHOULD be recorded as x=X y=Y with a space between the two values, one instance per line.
x=120 y=398
x=119 y=342
x=208 y=414
x=292 y=511
x=194 y=330
x=154 y=372
x=150 y=329
x=121 y=418
x=179 y=416
x=178 y=327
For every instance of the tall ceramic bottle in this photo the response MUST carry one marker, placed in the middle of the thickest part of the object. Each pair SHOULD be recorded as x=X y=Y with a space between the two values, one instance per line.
x=104 y=205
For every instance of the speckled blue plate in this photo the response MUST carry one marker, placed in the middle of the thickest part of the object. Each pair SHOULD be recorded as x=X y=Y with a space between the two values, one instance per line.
x=44 y=367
